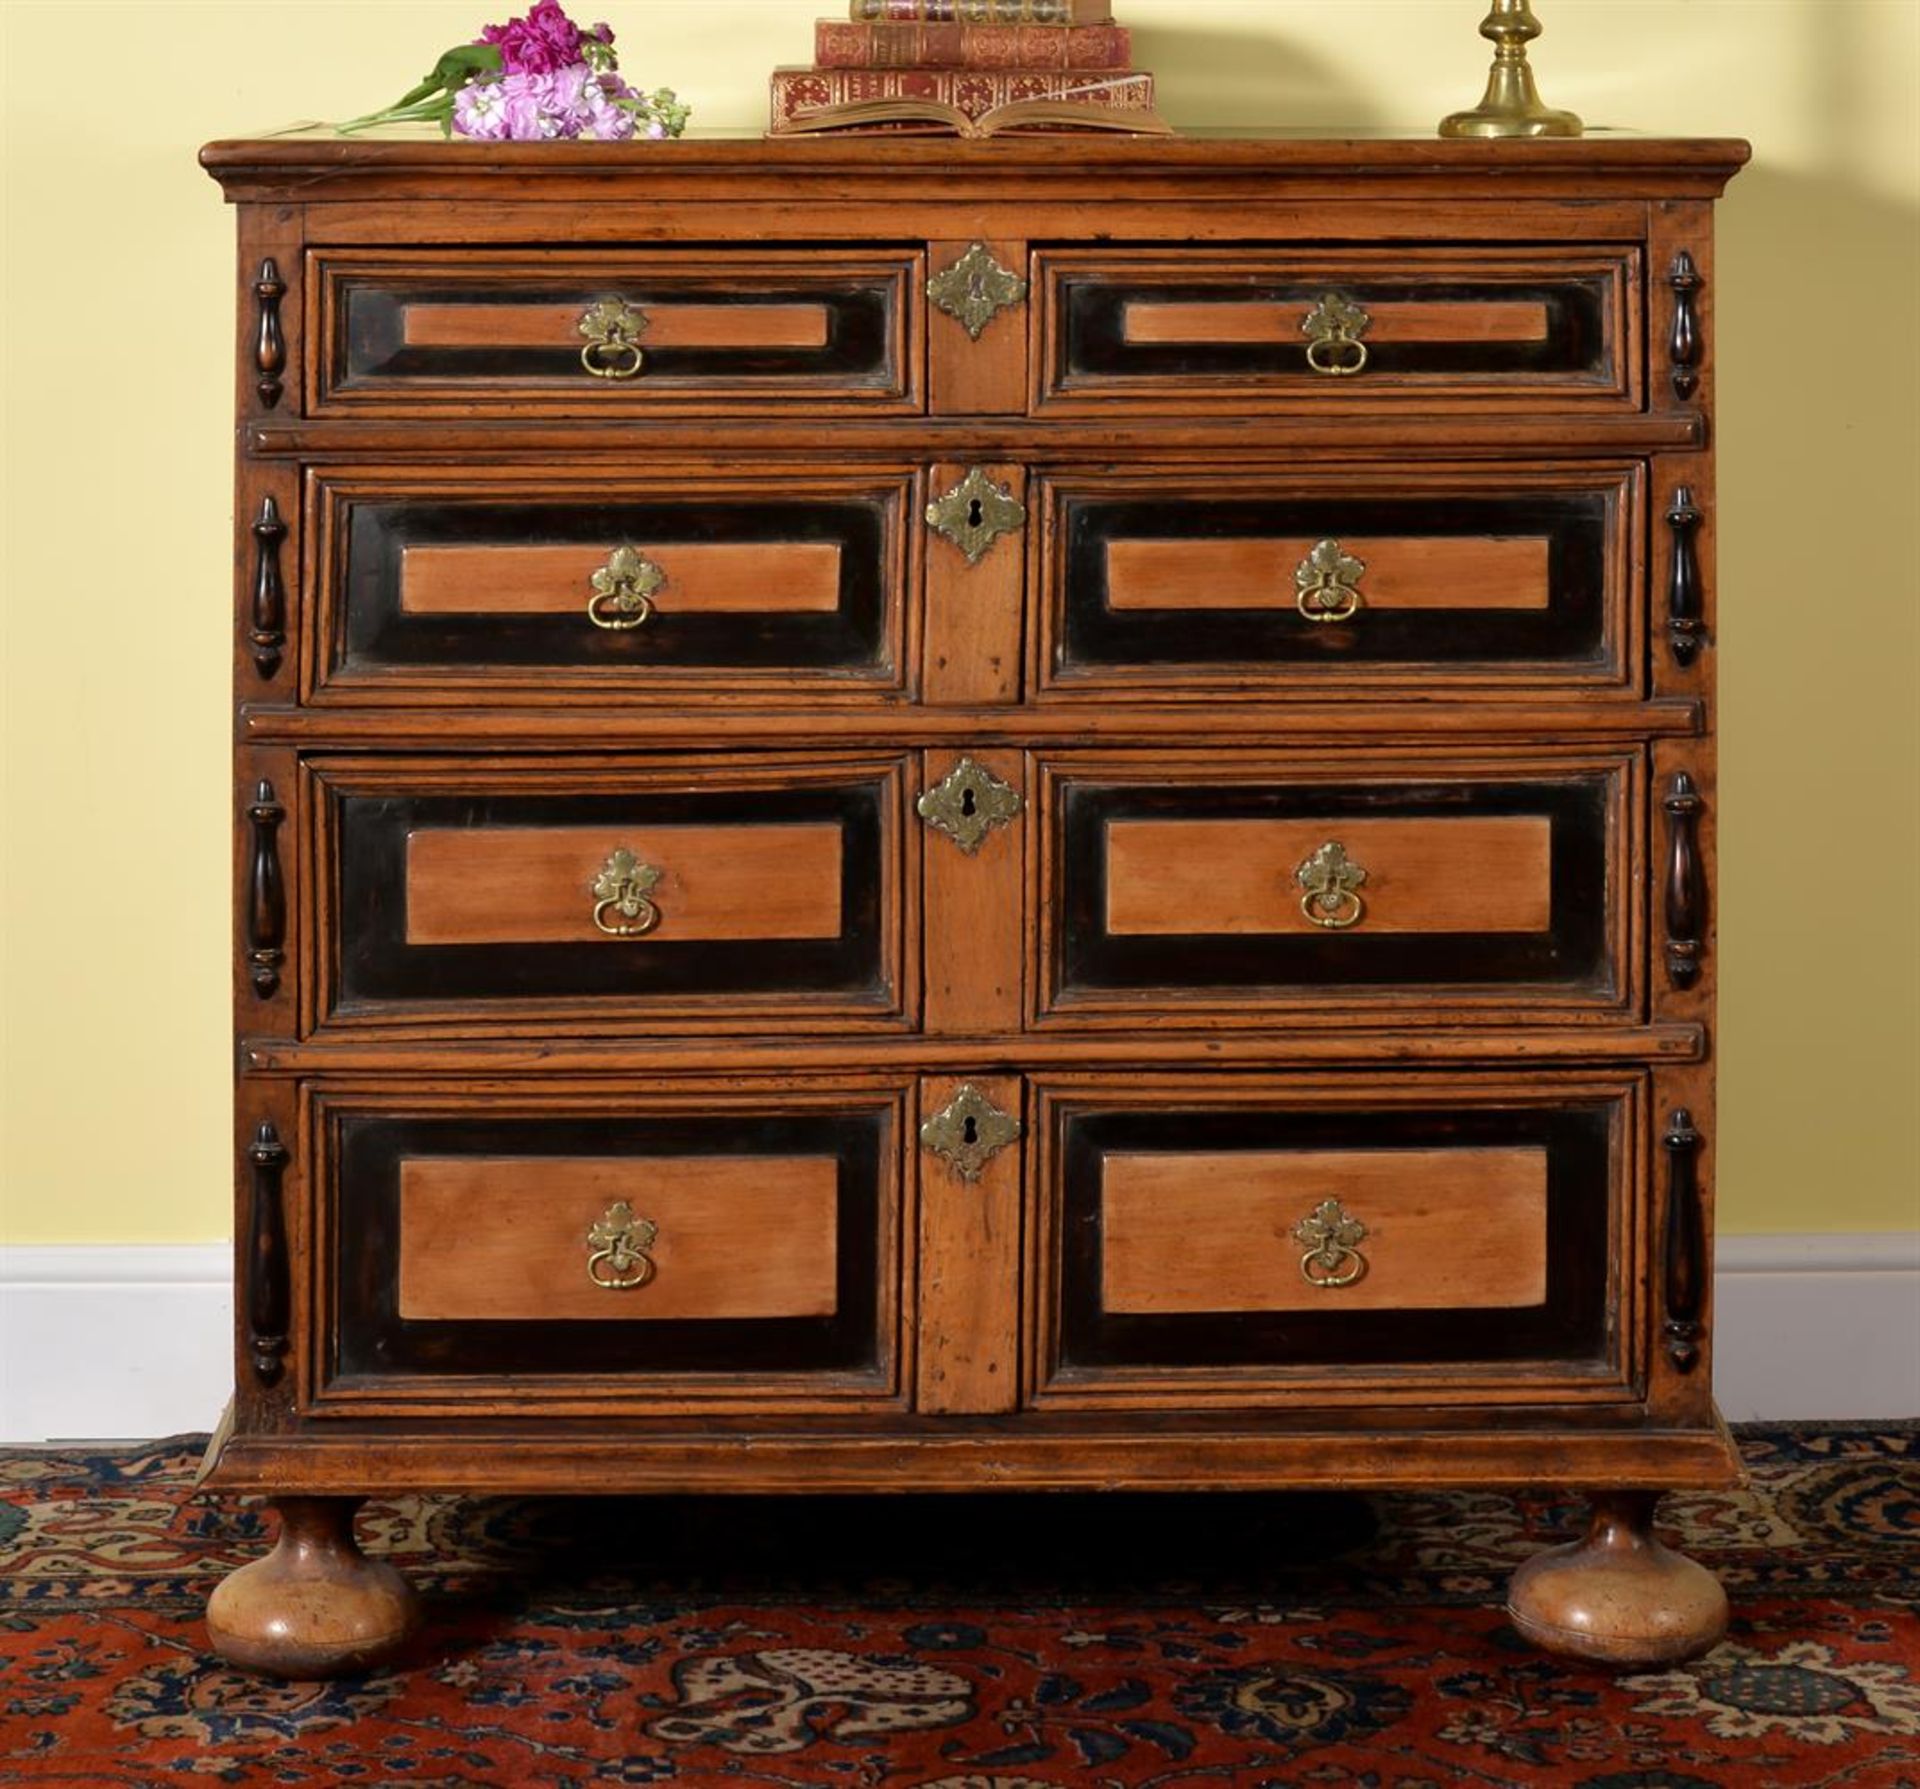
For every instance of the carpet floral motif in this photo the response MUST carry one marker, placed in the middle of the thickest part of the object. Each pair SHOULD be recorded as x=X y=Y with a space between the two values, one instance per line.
x=1005 y=1643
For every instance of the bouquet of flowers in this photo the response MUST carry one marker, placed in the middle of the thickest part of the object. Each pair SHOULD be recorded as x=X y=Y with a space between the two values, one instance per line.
x=532 y=80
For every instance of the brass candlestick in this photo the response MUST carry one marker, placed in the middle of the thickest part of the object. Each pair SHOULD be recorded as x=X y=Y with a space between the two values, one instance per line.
x=1511 y=105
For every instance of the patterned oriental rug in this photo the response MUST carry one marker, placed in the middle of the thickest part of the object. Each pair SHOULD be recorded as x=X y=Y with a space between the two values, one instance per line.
x=997 y=1643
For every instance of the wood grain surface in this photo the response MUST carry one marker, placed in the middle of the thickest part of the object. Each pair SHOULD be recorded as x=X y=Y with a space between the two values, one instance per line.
x=738 y=1236
x=1237 y=876
x=777 y=578
x=531 y=885
x=1446 y=1229
x=1413 y=573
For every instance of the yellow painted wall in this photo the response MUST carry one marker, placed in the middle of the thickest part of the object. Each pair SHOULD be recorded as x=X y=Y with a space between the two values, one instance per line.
x=116 y=340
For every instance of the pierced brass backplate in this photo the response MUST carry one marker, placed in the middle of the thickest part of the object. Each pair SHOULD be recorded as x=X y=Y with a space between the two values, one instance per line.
x=970 y=1132
x=619 y=1242
x=623 y=591
x=975 y=513
x=968 y=803
x=625 y=886
x=613 y=329
x=976 y=289
x=1333 y=329
x=1332 y=1239
x=1328 y=581
x=1332 y=881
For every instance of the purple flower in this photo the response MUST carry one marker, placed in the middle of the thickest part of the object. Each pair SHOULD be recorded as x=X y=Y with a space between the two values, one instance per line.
x=607 y=119
x=544 y=41
x=479 y=111
x=532 y=108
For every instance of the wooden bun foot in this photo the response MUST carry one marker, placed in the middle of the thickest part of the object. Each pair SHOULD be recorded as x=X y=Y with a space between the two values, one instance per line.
x=1619 y=1597
x=316 y=1606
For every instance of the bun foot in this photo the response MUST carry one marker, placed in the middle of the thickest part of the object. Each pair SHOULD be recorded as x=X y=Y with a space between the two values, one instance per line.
x=316 y=1606
x=1619 y=1597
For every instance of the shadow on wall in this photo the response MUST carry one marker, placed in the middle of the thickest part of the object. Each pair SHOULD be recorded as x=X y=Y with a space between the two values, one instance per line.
x=1216 y=80
x=1820 y=589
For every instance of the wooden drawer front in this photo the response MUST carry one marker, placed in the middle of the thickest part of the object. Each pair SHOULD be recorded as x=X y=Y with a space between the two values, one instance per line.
x=757 y=1255
x=759 y=889
x=1182 y=889
x=1232 y=327
x=503 y=332
x=1253 y=1240
x=1227 y=583
x=704 y=584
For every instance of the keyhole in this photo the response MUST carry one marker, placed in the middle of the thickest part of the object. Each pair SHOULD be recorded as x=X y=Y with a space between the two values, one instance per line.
x=976 y=514
x=969 y=803
x=970 y=1130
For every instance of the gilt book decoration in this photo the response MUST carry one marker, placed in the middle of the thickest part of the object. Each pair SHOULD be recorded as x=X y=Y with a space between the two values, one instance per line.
x=972 y=67
x=803 y=93
x=838 y=44
x=984 y=12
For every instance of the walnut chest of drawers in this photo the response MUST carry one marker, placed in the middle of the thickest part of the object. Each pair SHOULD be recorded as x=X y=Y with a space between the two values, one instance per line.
x=928 y=816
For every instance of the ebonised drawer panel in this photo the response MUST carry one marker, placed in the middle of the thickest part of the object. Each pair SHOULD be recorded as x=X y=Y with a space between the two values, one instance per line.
x=1227 y=1239
x=616 y=331
x=1351 y=327
x=708 y=1246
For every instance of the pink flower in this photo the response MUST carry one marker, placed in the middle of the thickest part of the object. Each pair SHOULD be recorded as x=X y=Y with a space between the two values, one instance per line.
x=545 y=40
x=607 y=120
x=479 y=111
x=532 y=108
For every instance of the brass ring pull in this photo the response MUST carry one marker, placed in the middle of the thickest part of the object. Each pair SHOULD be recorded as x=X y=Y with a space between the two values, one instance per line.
x=613 y=329
x=1337 y=357
x=617 y=614
x=1333 y=329
x=1332 y=1238
x=623 y=591
x=591 y=357
x=620 y=1241
x=1332 y=881
x=624 y=886
x=1328 y=581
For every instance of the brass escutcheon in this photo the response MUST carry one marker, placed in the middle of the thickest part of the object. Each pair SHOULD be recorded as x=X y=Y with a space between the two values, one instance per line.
x=613 y=329
x=1328 y=580
x=1332 y=881
x=1333 y=329
x=976 y=289
x=623 y=591
x=1332 y=1240
x=968 y=803
x=623 y=886
x=619 y=1242
x=969 y=1132
x=975 y=513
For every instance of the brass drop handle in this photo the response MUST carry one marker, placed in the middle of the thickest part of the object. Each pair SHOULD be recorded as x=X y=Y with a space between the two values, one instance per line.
x=624 y=887
x=1332 y=881
x=623 y=591
x=1332 y=1239
x=613 y=329
x=1333 y=329
x=618 y=1261
x=1328 y=582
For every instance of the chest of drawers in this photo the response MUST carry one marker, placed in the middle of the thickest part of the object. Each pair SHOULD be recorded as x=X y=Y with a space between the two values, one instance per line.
x=915 y=816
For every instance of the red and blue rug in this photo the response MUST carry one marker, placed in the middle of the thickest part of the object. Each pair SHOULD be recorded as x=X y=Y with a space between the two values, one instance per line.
x=983 y=1643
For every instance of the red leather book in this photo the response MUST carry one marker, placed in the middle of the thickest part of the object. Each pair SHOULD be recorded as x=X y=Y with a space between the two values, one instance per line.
x=982 y=12
x=841 y=44
x=798 y=92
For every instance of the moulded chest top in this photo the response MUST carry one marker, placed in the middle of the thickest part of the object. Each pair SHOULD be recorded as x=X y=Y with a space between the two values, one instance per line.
x=317 y=166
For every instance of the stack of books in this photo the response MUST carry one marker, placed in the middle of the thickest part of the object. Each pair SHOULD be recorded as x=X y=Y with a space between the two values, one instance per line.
x=972 y=67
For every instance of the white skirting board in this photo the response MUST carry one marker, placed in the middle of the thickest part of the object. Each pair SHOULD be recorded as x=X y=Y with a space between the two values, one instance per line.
x=128 y=1343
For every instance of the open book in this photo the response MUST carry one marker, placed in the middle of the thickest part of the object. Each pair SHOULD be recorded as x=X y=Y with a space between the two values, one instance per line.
x=933 y=117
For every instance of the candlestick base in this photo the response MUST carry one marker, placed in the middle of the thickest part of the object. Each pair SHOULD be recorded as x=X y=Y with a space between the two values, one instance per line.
x=1511 y=105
